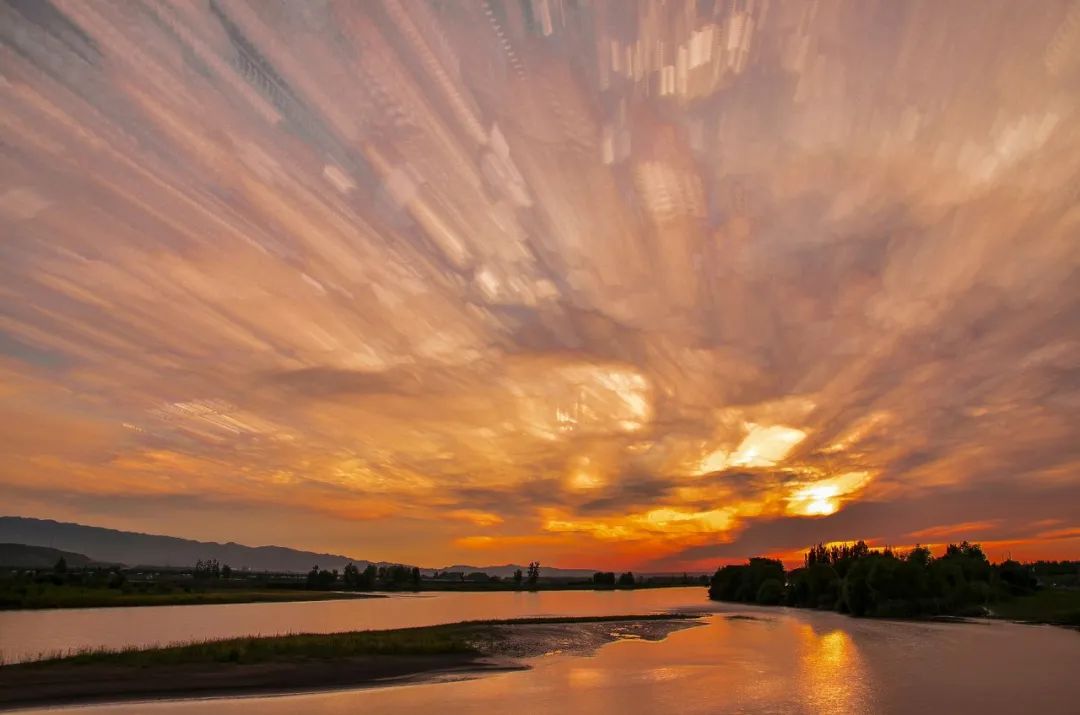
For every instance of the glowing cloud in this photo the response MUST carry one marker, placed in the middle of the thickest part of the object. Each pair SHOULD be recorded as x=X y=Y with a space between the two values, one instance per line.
x=825 y=496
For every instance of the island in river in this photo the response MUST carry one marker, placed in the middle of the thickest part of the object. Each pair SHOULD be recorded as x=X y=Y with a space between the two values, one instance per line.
x=262 y=665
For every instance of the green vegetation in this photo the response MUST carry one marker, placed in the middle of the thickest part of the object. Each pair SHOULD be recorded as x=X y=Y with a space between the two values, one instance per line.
x=102 y=587
x=1057 y=606
x=465 y=637
x=858 y=580
x=73 y=581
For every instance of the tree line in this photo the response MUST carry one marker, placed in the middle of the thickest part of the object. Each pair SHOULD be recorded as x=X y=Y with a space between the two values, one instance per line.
x=211 y=569
x=608 y=578
x=394 y=576
x=862 y=581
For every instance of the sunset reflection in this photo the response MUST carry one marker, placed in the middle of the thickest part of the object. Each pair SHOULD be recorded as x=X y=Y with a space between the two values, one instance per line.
x=832 y=676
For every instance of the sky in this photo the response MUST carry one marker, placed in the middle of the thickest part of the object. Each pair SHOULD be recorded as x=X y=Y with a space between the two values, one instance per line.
x=600 y=284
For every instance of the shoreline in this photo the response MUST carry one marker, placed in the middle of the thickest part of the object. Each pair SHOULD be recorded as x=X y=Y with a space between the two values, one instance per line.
x=299 y=663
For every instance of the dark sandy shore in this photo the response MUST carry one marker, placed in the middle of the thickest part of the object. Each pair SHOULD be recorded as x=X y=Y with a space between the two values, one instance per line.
x=496 y=646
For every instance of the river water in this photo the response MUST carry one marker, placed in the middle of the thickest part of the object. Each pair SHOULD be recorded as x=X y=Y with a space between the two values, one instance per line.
x=26 y=635
x=743 y=660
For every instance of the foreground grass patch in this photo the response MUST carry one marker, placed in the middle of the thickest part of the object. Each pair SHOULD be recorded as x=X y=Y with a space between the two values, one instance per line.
x=469 y=637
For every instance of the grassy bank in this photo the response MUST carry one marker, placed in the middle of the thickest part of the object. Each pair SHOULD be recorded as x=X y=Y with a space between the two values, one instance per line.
x=38 y=596
x=1059 y=607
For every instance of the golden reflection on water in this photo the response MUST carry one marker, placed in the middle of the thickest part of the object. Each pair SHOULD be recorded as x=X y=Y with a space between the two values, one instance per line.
x=832 y=672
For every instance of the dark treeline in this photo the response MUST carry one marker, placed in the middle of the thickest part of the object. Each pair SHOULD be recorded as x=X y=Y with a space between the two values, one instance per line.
x=211 y=569
x=861 y=581
x=392 y=577
x=608 y=579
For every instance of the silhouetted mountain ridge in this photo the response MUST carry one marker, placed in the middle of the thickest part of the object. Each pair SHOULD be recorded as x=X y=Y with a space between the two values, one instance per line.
x=133 y=548
x=24 y=556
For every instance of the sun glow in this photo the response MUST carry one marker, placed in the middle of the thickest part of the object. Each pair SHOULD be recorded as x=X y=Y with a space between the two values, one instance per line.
x=825 y=497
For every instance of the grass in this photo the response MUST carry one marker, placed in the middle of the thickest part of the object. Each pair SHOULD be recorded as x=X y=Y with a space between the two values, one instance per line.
x=37 y=597
x=1055 y=606
x=467 y=637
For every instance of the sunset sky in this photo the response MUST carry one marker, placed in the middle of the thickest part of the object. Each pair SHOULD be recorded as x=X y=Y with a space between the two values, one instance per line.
x=600 y=284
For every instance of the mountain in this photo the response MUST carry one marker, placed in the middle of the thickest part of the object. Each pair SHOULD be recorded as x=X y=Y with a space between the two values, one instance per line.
x=22 y=556
x=133 y=548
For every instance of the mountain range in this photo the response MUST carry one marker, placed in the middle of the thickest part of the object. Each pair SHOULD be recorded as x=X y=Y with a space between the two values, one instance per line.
x=136 y=549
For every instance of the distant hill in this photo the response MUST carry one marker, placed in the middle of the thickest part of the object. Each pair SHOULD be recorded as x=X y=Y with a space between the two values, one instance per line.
x=131 y=548
x=23 y=556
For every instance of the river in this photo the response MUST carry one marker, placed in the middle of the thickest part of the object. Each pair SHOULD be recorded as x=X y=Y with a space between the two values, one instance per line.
x=744 y=659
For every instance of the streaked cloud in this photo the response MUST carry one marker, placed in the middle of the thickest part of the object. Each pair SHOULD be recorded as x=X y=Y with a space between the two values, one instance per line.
x=596 y=284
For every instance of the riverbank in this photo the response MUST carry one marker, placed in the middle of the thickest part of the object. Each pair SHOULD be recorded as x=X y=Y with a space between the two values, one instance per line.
x=75 y=597
x=278 y=664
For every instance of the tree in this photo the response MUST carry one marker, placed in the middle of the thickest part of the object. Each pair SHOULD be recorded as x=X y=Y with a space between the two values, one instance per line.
x=226 y=571
x=857 y=596
x=1019 y=580
x=726 y=582
x=604 y=578
x=398 y=575
x=208 y=569
x=350 y=576
x=415 y=577
x=517 y=577
x=741 y=583
x=60 y=567
x=816 y=586
x=920 y=556
x=771 y=592
x=626 y=579
x=534 y=574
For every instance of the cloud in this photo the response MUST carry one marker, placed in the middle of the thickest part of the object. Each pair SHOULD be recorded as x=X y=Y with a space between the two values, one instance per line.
x=790 y=290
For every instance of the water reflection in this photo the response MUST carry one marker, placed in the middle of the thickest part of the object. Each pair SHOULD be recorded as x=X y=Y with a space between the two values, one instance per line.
x=831 y=671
